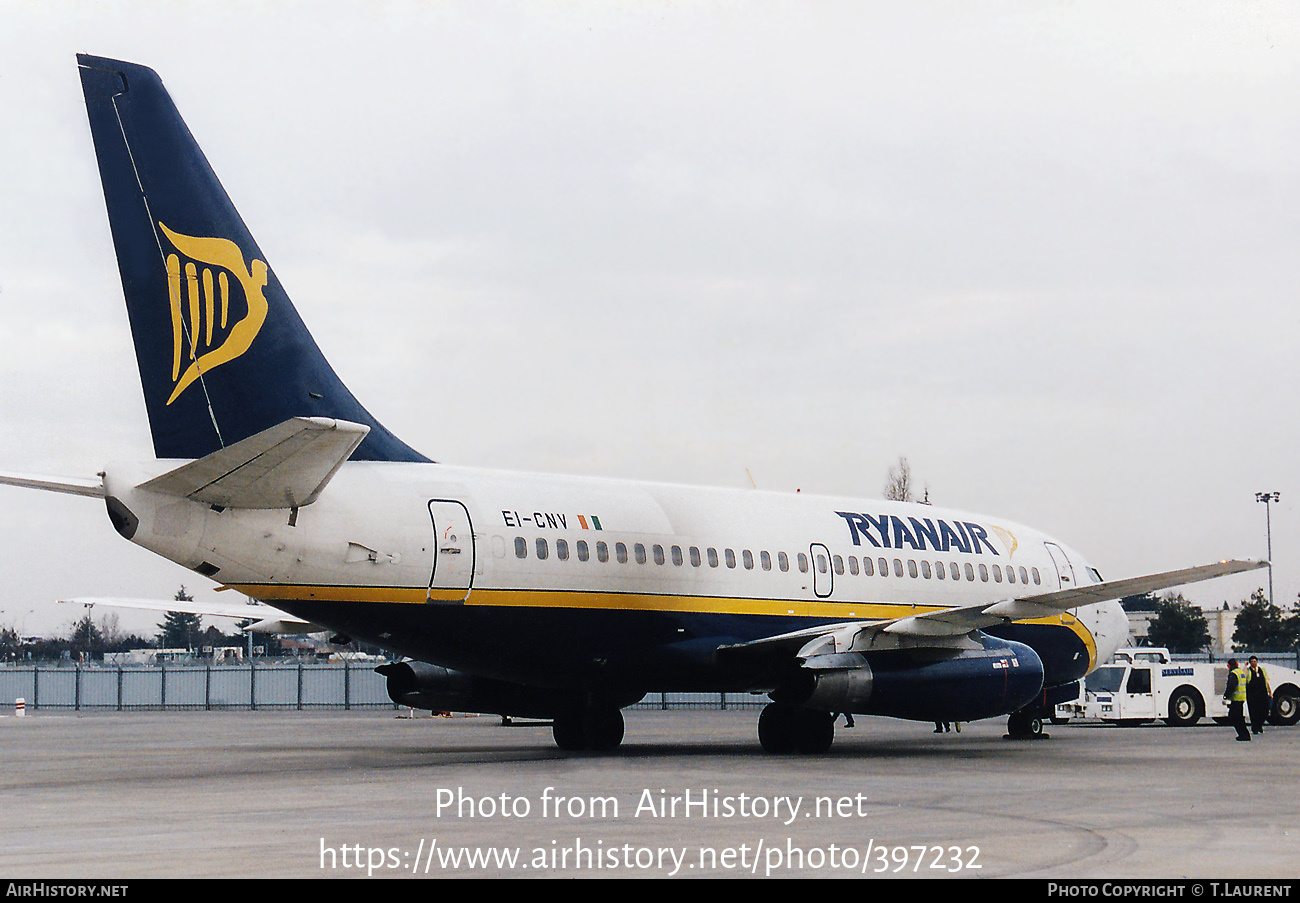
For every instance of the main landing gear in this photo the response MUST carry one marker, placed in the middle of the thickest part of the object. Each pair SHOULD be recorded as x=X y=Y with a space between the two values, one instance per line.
x=597 y=728
x=788 y=729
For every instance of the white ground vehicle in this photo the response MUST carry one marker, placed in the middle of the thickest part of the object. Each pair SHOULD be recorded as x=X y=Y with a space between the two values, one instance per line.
x=1141 y=685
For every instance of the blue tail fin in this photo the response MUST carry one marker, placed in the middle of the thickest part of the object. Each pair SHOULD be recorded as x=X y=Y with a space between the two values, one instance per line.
x=222 y=353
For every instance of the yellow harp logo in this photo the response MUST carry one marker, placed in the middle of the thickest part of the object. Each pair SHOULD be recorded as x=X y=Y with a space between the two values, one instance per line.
x=199 y=291
x=1008 y=538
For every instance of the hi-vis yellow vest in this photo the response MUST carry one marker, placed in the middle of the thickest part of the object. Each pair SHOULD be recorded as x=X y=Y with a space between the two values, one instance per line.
x=1238 y=692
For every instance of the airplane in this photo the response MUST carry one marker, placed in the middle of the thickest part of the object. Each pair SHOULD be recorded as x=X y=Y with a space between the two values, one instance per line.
x=558 y=597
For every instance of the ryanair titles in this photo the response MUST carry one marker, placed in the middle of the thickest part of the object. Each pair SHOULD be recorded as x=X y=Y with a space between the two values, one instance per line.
x=889 y=531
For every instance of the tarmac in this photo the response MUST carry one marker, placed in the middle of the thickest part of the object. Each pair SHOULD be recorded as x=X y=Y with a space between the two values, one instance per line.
x=121 y=795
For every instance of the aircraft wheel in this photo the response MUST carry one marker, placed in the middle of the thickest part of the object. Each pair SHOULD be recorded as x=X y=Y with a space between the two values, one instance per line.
x=785 y=729
x=567 y=731
x=603 y=729
x=778 y=728
x=1286 y=706
x=595 y=728
x=816 y=731
x=1185 y=708
x=1024 y=725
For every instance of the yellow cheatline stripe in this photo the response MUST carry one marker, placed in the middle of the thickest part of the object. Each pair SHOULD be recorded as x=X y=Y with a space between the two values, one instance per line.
x=607 y=601
x=523 y=598
x=269 y=592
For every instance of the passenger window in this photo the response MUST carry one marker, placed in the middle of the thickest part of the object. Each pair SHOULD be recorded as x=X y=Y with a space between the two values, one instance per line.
x=803 y=563
x=997 y=573
x=782 y=561
x=562 y=549
x=911 y=568
x=639 y=549
x=838 y=563
x=658 y=553
x=695 y=557
x=853 y=565
x=925 y=569
x=821 y=563
x=984 y=574
x=1011 y=574
x=868 y=568
x=713 y=557
x=677 y=556
x=731 y=558
x=1024 y=577
x=1037 y=581
x=620 y=552
x=541 y=549
x=970 y=571
x=583 y=552
x=955 y=569
x=884 y=567
x=898 y=568
x=521 y=547
x=747 y=559
x=602 y=552
x=765 y=560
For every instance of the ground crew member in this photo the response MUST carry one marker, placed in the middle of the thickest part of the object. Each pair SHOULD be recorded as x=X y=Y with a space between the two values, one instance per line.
x=1258 y=695
x=1234 y=694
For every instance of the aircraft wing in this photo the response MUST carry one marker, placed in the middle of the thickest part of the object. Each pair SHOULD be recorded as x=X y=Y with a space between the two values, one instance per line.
x=1134 y=586
x=266 y=619
x=934 y=626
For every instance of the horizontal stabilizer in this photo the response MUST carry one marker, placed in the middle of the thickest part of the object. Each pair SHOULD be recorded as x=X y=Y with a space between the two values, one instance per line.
x=266 y=619
x=285 y=466
x=70 y=485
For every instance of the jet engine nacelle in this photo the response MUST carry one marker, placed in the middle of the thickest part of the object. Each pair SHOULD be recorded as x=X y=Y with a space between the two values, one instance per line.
x=921 y=684
x=424 y=686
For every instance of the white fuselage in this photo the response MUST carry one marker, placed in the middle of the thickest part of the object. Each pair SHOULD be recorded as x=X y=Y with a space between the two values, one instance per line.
x=439 y=537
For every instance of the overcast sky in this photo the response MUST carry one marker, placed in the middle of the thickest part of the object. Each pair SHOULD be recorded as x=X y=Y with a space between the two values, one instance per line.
x=1050 y=252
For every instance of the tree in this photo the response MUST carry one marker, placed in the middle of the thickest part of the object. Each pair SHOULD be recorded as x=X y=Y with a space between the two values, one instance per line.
x=1261 y=627
x=180 y=629
x=898 y=483
x=1142 y=602
x=1179 y=625
x=86 y=634
x=110 y=631
x=10 y=643
x=86 y=639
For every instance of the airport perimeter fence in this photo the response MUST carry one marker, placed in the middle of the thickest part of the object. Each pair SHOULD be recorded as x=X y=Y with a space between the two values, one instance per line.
x=284 y=686
x=292 y=685
x=178 y=687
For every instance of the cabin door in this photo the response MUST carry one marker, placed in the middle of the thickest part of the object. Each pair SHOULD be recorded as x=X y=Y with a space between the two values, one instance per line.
x=1064 y=570
x=452 y=575
x=823 y=575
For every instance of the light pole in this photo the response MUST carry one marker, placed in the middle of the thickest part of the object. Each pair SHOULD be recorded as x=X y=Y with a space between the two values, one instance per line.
x=1267 y=498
